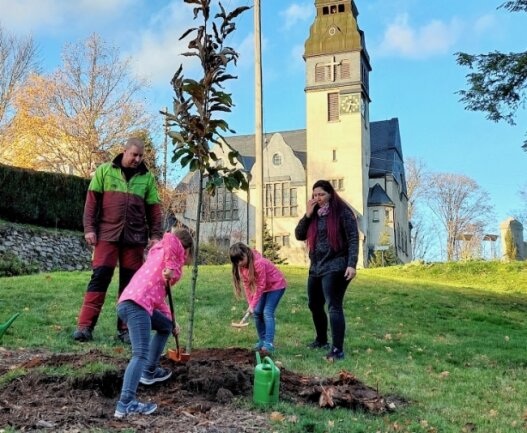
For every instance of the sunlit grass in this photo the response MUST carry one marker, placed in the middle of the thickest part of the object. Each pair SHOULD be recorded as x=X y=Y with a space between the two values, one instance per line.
x=448 y=338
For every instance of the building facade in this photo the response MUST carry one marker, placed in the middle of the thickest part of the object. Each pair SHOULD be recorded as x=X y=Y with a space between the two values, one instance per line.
x=362 y=159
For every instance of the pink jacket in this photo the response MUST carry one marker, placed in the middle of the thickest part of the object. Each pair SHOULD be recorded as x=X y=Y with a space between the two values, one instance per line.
x=267 y=278
x=147 y=287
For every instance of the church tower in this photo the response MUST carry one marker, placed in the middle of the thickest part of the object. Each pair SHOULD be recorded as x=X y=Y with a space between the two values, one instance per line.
x=337 y=99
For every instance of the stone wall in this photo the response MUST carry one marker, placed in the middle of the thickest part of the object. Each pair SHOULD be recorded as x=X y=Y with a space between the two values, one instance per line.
x=48 y=249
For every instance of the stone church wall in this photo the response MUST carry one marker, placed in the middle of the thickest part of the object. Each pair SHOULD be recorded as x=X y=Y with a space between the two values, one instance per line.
x=48 y=249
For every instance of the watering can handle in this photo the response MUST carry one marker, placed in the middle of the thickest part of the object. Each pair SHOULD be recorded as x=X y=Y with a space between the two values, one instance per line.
x=269 y=361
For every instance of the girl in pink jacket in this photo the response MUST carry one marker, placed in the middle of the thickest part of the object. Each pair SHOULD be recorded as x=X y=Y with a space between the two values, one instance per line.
x=264 y=286
x=143 y=308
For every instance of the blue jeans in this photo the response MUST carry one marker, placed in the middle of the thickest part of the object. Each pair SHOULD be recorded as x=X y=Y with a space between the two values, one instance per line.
x=146 y=351
x=329 y=288
x=264 y=315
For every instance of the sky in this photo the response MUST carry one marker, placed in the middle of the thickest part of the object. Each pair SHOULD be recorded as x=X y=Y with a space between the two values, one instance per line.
x=411 y=43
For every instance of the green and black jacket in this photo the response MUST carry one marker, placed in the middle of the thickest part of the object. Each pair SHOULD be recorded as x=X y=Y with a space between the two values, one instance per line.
x=120 y=210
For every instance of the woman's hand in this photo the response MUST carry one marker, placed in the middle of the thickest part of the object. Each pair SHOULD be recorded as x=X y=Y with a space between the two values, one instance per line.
x=168 y=274
x=310 y=208
x=350 y=273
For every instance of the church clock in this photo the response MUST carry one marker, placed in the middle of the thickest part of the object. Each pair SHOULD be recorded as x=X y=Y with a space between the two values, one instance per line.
x=350 y=103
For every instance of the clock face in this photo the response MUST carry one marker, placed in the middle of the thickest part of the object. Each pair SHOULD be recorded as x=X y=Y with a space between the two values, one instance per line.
x=350 y=103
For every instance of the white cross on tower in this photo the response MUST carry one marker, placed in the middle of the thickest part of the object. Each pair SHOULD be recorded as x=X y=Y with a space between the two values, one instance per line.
x=331 y=65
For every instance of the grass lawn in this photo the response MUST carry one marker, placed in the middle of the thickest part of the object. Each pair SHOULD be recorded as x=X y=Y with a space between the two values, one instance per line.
x=451 y=339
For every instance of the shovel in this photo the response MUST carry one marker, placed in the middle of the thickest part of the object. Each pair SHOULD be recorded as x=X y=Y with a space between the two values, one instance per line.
x=242 y=323
x=177 y=355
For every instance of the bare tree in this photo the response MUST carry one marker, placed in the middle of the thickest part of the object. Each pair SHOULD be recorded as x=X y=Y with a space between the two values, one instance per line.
x=74 y=117
x=416 y=180
x=459 y=204
x=18 y=58
x=521 y=213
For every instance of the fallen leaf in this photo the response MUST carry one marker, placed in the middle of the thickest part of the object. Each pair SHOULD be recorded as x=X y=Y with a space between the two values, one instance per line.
x=388 y=349
x=326 y=397
x=277 y=416
x=493 y=413
x=444 y=374
x=388 y=337
x=331 y=424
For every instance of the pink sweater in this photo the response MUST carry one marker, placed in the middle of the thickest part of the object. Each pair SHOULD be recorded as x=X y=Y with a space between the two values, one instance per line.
x=147 y=287
x=267 y=278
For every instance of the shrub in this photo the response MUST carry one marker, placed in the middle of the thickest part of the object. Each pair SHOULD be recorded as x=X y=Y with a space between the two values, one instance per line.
x=511 y=251
x=384 y=258
x=11 y=265
x=211 y=254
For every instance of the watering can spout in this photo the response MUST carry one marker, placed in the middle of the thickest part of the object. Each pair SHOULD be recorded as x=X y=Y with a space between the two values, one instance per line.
x=6 y=325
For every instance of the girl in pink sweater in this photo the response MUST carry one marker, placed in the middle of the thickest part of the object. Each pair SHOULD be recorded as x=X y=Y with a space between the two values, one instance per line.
x=143 y=308
x=264 y=286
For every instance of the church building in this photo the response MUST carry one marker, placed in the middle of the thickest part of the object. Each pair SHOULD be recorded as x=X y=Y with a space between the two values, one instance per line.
x=363 y=159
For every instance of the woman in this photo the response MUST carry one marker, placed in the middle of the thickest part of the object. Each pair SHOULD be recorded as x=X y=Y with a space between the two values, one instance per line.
x=330 y=229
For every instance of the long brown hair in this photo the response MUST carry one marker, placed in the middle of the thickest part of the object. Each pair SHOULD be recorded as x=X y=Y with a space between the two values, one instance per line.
x=336 y=208
x=238 y=252
x=185 y=238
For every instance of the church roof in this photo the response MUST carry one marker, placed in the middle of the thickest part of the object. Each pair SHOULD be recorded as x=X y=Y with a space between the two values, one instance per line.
x=385 y=142
x=244 y=144
x=386 y=151
x=378 y=197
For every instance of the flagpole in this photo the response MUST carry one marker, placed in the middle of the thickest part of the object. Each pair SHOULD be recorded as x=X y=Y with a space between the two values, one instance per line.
x=258 y=167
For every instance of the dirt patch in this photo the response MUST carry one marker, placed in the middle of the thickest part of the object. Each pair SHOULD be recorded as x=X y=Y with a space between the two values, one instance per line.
x=201 y=396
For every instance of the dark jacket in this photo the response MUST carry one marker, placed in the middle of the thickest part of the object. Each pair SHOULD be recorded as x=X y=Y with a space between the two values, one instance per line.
x=324 y=259
x=120 y=210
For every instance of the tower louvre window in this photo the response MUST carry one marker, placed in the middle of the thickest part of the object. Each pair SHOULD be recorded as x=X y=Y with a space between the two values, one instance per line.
x=333 y=107
x=345 y=68
x=320 y=73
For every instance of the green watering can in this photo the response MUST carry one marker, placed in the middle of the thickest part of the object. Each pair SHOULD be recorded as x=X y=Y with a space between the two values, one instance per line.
x=266 y=381
x=6 y=325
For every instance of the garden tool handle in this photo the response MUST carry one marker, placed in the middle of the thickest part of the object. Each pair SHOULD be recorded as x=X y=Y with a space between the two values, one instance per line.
x=171 y=304
x=246 y=316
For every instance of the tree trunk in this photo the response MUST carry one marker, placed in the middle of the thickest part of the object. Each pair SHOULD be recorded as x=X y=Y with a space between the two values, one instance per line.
x=195 y=267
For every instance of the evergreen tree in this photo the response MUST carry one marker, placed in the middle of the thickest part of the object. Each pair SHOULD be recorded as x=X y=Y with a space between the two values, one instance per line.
x=271 y=248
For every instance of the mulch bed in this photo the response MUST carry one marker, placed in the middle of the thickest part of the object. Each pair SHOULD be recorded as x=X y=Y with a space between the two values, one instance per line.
x=201 y=396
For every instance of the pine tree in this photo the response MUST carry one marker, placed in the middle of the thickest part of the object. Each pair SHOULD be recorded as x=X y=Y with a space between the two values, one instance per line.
x=271 y=248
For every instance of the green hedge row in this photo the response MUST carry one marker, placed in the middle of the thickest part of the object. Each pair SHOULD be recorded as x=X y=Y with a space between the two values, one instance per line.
x=44 y=199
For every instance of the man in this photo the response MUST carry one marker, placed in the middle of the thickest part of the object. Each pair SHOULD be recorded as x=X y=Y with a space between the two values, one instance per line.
x=122 y=211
